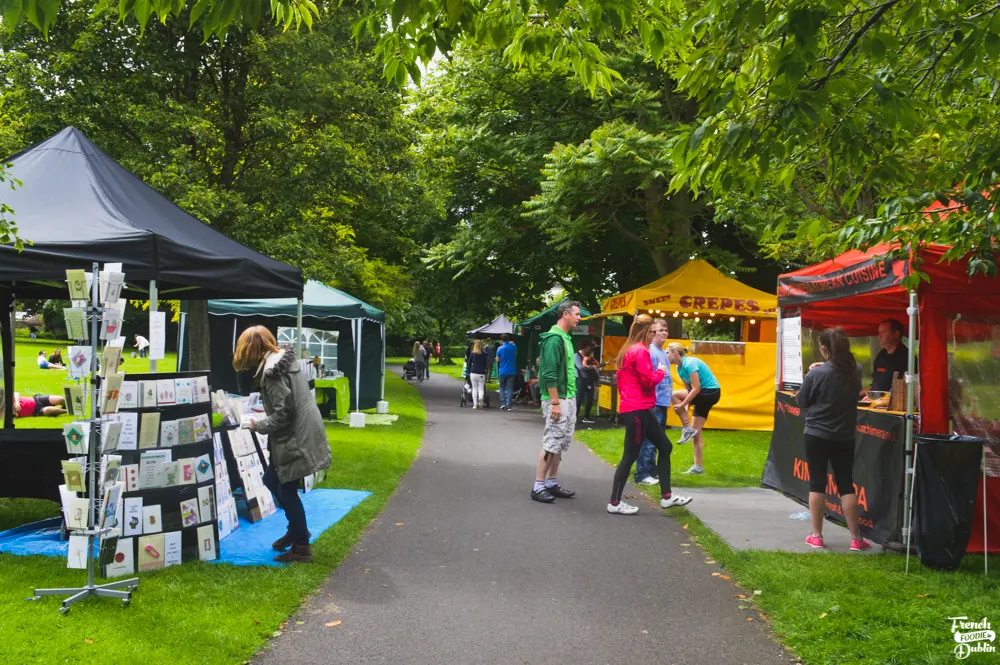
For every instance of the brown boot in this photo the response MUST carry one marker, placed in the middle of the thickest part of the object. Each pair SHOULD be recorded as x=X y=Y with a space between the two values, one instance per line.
x=300 y=553
x=283 y=543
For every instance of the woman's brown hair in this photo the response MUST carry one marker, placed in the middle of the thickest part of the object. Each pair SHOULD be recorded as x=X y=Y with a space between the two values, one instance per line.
x=637 y=334
x=252 y=347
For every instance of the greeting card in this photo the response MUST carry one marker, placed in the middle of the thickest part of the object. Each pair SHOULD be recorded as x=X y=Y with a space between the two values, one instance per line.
x=133 y=516
x=168 y=433
x=165 y=392
x=190 y=515
x=185 y=431
x=124 y=561
x=203 y=468
x=129 y=438
x=183 y=391
x=76 y=401
x=112 y=358
x=202 y=428
x=128 y=398
x=79 y=361
x=112 y=390
x=206 y=503
x=171 y=474
x=149 y=430
x=152 y=519
x=111 y=469
x=112 y=432
x=151 y=469
x=188 y=475
x=147 y=394
x=199 y=387
x=151 y=552
x=76 y=557
x=73 y=475
x=108 y=549
x=77 y=437
x=76 y=516
x=206 y=543
x=77 y=282
x=172 y=548
x=111 y=286
x=109 y=507
x=111 y=323
x=76 y=323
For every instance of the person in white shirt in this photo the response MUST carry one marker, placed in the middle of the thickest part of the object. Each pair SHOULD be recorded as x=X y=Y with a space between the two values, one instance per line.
x=142 y=345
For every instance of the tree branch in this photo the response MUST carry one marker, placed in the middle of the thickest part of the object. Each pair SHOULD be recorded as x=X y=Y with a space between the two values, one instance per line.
x=855 y=38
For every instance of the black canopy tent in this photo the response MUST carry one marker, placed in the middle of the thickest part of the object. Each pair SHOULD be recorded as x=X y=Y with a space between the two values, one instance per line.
x=78 y=206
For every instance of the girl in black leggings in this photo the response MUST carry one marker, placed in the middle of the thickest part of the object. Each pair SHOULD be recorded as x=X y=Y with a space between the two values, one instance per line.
x=829 y=398
x=637 y=381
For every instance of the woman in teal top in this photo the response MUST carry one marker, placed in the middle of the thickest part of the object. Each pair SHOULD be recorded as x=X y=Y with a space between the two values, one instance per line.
x=703 y=391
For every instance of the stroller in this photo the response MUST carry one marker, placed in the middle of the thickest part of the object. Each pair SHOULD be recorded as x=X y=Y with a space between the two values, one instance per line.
x=467 y=393
x=410 y=370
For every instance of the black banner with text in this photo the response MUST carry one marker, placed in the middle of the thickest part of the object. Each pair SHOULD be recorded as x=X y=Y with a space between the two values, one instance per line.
x=864 y=277
x=878 y=468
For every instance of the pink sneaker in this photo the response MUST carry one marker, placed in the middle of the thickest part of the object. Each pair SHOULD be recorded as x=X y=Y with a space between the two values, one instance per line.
x=860 y=545
x=816 y=541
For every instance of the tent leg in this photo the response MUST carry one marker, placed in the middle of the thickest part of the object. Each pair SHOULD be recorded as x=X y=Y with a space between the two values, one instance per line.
x=910 y=459
x=382 y=393
x=986 y=547
x=7 y=326
x=357 y=370
x=153 y=302
x=180 y=341
x=298 y=332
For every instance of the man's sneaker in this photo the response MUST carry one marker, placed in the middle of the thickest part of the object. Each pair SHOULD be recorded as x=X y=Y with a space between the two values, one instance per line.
x=860 y=545
x=542 y=496
x=503 y=407
x=649 y=480
x=588 y=421
x=675 y=501
x=687 y=433
x=622 y=509
x=817 y=541
x=560 y=492
x=695 y=471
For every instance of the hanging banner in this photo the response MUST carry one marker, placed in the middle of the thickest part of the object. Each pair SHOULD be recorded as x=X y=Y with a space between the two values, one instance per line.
x=157 y=335
x=864 y=277
x=878 y=468
x=791 y=351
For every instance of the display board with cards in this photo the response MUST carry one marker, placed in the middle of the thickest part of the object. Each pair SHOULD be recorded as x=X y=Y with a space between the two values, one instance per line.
x=246 y=464
x=159 y=435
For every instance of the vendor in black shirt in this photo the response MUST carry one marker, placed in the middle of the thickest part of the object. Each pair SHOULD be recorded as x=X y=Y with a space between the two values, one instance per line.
x=893 y=358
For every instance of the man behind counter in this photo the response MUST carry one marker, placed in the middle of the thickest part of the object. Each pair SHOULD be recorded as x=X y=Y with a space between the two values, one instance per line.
x=892 y=358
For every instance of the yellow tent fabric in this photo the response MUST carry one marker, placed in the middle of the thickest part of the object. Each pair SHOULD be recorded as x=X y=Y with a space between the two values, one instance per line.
x=695 y=287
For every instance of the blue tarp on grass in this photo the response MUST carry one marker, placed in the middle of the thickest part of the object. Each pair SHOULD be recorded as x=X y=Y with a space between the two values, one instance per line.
x=250 y=545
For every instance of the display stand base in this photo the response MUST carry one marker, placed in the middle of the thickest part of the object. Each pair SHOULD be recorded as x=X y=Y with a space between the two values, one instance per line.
x=382 y=407
x=357 y=419
x=110 y=590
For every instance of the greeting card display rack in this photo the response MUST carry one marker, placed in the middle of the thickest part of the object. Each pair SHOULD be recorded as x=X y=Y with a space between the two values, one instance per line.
x=184 y=505
x=121 y=589
x=246 y=461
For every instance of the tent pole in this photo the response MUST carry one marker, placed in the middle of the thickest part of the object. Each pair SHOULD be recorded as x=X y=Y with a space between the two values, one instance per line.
x=7 y=305
x=383 y=363
x=777 y=355
x=909 y=459
x=152 y=310
x=180 y=341
x=298 y=333
x=986 y=547
x=357 y=370
x=234 y=334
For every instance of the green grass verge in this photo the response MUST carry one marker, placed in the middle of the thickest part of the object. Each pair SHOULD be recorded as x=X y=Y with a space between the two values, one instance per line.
x=732 y=459
x=202 y=613
x=454 y=371
x=831 y=608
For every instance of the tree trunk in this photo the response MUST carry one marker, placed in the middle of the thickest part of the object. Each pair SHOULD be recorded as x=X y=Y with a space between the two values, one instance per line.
x=199 y=352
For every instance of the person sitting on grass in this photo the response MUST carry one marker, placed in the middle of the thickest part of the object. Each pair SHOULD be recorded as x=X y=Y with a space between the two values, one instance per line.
x=56 y=358
x=38 y=405
x=45 y=364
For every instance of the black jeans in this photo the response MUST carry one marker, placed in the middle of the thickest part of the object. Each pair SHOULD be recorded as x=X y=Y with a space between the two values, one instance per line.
x=584 y=396
x=287 y=496
x=821 y=454
x=640 y=425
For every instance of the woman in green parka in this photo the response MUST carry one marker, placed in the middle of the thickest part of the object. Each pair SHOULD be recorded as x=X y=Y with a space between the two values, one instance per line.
x=296 y=435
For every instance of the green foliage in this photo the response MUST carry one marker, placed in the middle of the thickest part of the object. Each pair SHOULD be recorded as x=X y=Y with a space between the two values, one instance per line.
x=288 y=142
x=865 y=113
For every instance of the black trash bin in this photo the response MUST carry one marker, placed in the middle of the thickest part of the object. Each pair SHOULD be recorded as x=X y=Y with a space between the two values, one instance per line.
x=947 y=476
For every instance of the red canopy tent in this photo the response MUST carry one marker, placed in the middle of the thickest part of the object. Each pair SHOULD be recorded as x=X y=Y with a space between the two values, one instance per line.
x=857 y=290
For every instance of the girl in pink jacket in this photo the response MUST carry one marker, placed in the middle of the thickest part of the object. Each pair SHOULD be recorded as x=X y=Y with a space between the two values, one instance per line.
x=637 y=381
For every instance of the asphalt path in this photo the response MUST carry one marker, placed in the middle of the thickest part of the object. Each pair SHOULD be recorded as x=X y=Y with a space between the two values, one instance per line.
x=462 y=567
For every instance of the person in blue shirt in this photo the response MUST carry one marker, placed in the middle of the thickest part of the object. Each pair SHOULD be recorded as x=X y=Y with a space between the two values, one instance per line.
x=645 y=465
x=507 y=361
x=703 y=391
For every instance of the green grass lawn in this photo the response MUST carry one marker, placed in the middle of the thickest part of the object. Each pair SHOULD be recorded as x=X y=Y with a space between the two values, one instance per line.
x=732 y=459
x=454 y=370
x=829 y=608
x=201 y=613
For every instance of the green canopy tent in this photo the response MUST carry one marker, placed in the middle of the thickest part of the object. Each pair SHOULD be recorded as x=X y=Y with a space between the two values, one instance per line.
x=535 y=325
x=360 y=345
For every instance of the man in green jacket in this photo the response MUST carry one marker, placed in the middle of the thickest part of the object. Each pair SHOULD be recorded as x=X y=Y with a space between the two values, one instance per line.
x=557 y=383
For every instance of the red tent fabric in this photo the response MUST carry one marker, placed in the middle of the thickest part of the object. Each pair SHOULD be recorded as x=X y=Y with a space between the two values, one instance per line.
x=857 y=290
